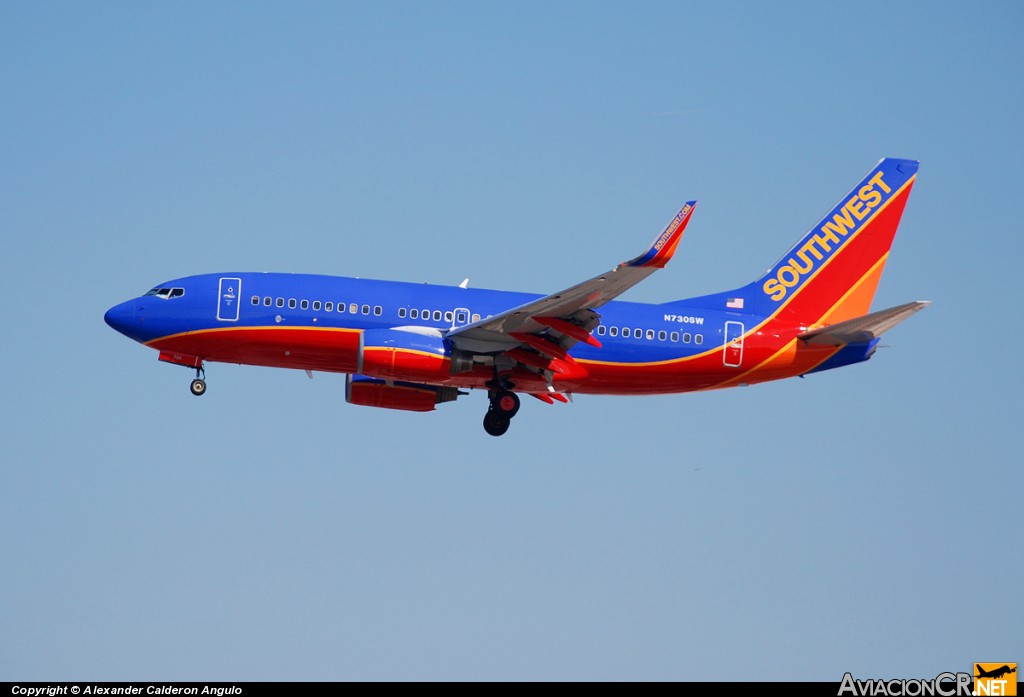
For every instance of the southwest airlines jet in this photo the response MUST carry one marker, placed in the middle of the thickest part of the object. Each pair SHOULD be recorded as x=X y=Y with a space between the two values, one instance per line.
x=413 y=346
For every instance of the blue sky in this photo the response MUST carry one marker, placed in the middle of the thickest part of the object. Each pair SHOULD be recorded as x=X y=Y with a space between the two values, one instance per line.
x=859 y=520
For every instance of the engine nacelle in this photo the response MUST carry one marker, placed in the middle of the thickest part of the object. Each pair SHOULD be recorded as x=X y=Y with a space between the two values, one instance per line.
x=394 y=354
x=406 y=396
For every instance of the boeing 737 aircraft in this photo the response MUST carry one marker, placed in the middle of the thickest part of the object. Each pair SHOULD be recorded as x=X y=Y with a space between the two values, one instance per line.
x=413 y=346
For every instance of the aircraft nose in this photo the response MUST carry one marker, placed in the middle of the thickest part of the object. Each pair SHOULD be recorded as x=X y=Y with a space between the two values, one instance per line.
x=121 y=317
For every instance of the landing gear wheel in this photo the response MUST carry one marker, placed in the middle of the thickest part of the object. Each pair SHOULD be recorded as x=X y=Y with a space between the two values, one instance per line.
x=198 y=387
x=505 y=403
x=495 y=423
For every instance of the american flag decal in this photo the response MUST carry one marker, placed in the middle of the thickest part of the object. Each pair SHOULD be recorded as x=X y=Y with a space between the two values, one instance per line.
x=734 y=303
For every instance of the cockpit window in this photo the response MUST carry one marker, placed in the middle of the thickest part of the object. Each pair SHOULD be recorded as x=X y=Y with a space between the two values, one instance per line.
x=166 y=293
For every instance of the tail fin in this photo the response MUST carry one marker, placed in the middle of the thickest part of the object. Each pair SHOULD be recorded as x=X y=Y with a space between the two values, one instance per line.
x=831 y=274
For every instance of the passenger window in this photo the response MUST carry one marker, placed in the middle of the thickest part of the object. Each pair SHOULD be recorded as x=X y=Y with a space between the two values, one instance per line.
x=291 y=303
x=267 y=301
x=476 y=317
x=401 y=312
x=280 y=302
x=461 y=317
x=341 y=307
x=425 y=314
x=255 y=298
x=448 y=316
x=378 y=310
x=686 y=337
x=316 y=305
x=638 y=333
x=674 y=337
x=366 y=309
x=650 y=334
x=414 y=313
x=304 y=304
x=613 y=331
x=353 y=308
x=437 y=315
x=600 y=330
x=328 y=306
x=699 y=339
x=625 y=332
x=662 y=335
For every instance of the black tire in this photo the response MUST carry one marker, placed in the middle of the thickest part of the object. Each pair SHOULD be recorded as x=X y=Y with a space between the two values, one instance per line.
x=495 y=424
x=506 y=403
x=198 y=387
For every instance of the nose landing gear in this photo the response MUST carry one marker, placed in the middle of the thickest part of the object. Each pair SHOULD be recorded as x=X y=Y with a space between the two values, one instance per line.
x=198 y=385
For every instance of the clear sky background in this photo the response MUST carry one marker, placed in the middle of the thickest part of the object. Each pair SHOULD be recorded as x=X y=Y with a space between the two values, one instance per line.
x=859 y=520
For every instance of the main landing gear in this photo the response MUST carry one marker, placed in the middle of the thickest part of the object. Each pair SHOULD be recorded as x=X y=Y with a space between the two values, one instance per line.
x=198 y=385
x=504 y=405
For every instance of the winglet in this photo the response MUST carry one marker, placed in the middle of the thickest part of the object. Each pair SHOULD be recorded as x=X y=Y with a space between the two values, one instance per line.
x=665 y=245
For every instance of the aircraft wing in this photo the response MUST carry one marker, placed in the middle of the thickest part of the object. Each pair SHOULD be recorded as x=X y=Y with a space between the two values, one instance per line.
x=547 y=327
x=862 y=329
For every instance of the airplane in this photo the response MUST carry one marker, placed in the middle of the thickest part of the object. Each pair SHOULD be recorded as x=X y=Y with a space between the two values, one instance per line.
x=413 y=346
x=996 y=673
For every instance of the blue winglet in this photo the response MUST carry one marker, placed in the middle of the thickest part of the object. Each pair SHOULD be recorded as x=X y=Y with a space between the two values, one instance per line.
x=665 y=244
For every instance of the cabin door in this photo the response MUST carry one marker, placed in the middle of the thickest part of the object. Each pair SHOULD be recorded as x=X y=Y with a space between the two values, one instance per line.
x=229 y=298
x=732 y=351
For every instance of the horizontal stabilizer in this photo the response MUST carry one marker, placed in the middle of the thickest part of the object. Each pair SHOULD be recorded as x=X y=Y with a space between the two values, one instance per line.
x=862 y=329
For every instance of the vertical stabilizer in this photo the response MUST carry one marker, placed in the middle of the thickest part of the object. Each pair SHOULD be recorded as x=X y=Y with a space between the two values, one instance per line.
x=831 y=274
